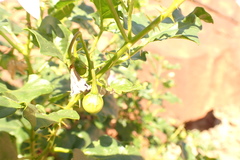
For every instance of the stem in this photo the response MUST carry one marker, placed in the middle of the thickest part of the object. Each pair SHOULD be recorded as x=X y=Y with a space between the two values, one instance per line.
x=50 y=144
x=28 y=46
x=90 y=62
x=62 y=150
x=128 y=45
x=32 y=143
x=17 y=46
x=93 y=47
x=72 y=101
x=116 y=18
x=70 y=48
x=13 y=44
x=94 y=89
x=130 y=10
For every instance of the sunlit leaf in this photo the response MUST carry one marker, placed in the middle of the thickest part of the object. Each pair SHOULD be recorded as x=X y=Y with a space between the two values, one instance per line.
x=52 y=37
x=108 y=148
x=32 y=89
x=122 y=85
x=39 y=119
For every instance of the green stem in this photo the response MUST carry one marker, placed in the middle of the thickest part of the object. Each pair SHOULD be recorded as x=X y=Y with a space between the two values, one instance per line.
x=32 y=143
x=116 y=18
x=130 y=10
x=141 y=34
x=93 y=47
x=94 y=89
x=70 y=48
x=72 y=101
x=20 y=49
x=15 y=45
x=50 y=144
x=90 y=62
x=28 y=46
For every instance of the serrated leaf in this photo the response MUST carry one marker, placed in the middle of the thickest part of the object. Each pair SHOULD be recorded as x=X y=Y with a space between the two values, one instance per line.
x=53 y=38
x=8 y=106
x=123 y=85
x=182 y=27
x=32 y=89
x=39 y=119
x=47 y=47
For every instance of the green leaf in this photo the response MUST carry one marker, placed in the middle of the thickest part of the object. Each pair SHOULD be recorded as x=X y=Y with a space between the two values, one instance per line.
x=39 y=119
x=122 y=85
x=15 y=127
x=141 y=55
x=108 y=148
x=170 y=97
x=139 y=22
x=32 y=89
x=3 y=88
x=62 y=9
x=183 y=27
x=4 y=13
x=50 y=44
x=8 y=106
x=8 y=149
x=202 y=14
x=103 y=8
x=9 y=27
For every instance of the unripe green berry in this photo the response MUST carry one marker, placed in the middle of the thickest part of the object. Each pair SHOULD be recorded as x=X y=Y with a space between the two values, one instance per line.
x=92 y=103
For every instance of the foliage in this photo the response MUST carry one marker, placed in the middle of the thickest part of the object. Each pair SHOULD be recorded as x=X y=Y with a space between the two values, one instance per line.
x=42 y=119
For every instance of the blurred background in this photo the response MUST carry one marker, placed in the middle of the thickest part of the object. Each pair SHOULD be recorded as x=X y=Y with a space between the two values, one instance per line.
x=208 y=81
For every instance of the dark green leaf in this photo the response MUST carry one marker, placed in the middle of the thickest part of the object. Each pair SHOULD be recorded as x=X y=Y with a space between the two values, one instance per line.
x=49 y=25
x=8 y=149
x=141 y=55
x=8 y=106
x=139 y=22
x=103 y=8
x=62 y=9
x=203 y=15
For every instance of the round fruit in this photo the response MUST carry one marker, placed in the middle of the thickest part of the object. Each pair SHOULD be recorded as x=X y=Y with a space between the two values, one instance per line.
x=92 y=103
